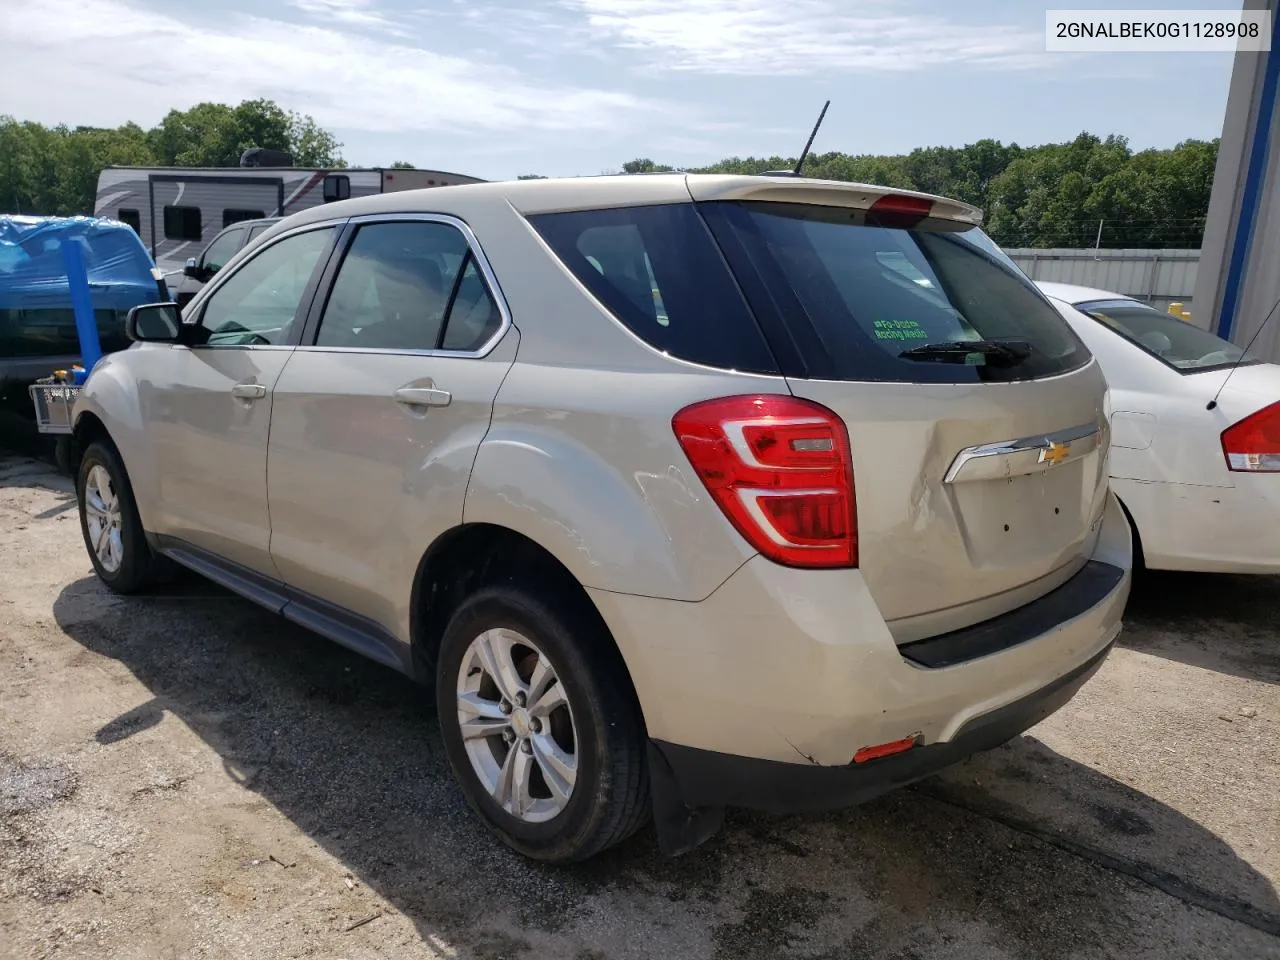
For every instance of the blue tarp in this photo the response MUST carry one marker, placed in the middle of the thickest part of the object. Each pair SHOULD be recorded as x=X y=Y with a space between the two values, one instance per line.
x=45 y=319
x=33 y=273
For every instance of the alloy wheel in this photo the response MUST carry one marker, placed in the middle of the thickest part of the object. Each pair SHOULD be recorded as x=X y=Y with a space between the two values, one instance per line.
x=103 y=519
x=517 y=725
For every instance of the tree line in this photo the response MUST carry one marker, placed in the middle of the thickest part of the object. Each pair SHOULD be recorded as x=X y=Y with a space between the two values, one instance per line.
x=54 y=170
x=1053 y=195
x=1090 y=190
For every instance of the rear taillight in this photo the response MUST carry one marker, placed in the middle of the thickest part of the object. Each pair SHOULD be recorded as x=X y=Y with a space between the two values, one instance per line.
x=780 y=469
x=1253 y=444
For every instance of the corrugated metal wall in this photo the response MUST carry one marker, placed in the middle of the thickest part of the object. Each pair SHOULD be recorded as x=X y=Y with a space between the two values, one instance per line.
x=1160 y=277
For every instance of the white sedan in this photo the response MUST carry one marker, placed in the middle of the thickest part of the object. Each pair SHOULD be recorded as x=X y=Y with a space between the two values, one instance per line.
x=1195 y=455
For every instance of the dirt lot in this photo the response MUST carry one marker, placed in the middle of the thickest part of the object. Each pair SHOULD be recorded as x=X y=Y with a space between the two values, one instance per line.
x=185 y=775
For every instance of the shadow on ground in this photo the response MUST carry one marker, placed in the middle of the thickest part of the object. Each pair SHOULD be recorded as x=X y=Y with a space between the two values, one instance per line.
x=1218 y=622
x=347 y=751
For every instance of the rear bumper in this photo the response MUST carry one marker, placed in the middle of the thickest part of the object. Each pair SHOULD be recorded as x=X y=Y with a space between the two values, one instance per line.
x=799 y=665
x=761 y=695
x=704 y=778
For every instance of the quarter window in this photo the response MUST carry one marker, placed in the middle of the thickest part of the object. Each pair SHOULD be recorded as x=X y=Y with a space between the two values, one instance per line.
x=259 y=302
x=408 y=286
x=657 y=270
x=182 y=223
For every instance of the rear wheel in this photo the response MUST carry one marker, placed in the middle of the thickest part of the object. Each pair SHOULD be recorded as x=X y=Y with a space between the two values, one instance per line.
x=109 y=522
x=545 y=740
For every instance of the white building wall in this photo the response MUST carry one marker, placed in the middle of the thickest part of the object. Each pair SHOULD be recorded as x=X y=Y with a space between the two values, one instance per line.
x=1158 y=277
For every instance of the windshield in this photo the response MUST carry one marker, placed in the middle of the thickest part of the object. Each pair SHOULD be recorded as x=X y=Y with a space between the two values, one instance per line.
x=930 y=302
x=1181 y=345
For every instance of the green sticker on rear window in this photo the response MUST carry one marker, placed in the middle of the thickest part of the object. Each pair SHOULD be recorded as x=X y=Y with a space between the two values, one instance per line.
x=899 y=330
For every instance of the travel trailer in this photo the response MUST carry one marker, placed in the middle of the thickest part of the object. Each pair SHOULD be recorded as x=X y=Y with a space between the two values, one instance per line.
x=178 y=210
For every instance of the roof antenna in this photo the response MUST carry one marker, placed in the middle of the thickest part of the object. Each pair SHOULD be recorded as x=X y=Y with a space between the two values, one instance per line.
x=805 y=152
x=1240 y=359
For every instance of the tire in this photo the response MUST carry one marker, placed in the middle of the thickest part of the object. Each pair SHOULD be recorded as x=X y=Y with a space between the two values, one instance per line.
x=128 y=563
x=609 y=797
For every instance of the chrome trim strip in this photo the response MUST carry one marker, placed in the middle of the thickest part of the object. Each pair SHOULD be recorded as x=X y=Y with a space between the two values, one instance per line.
x=1038 y=444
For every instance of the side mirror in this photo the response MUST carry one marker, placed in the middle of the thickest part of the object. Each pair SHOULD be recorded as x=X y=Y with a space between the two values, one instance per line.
x=154 y=323
x=192 y=268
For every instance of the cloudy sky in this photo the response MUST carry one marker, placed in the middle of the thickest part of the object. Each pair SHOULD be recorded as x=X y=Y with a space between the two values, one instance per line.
x=496 y=88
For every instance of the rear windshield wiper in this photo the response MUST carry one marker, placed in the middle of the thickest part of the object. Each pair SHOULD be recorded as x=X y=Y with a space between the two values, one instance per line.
x=1006 y=352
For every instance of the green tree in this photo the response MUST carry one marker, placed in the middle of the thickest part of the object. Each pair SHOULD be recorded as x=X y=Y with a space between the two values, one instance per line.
x=312 y=145
x=1050 y=195
x=402 y=165
x=644 y=166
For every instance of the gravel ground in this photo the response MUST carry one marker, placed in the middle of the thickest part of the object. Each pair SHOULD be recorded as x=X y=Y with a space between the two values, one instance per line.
x=187 y=776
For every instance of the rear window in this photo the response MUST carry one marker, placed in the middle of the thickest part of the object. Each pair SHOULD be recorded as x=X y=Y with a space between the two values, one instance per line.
x=657 y=270
x=932 y=302
x=1185 y=347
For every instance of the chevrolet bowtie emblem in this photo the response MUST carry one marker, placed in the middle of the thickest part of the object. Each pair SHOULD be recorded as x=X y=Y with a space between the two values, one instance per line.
x=1054 y=453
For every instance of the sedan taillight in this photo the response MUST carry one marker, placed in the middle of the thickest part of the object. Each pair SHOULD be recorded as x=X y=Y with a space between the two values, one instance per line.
x=780 y=469
x=1253 y=444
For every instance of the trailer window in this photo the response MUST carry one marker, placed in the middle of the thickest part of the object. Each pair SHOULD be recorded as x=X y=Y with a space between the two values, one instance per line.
x=337 y=186
x=130 y=217
x=236 y=216
x=182 y=223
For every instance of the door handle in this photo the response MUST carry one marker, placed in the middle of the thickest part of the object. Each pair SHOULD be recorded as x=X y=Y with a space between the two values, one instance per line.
x=423 y=397
x=248 y=391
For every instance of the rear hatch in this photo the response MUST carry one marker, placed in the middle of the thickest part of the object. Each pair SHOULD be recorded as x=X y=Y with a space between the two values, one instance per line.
x=975 y=414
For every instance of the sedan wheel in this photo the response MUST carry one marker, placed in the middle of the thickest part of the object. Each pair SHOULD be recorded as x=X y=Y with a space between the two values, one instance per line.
x=517 y=725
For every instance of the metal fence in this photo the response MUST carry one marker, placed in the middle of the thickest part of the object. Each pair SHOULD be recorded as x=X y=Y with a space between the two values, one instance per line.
x=1160 y=277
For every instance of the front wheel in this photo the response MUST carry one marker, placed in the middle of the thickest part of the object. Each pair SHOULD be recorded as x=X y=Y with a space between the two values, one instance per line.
x=109 y=522
x=540 y=725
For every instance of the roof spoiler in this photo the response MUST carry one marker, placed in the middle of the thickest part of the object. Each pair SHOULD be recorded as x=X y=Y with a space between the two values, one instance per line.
x=789 y=188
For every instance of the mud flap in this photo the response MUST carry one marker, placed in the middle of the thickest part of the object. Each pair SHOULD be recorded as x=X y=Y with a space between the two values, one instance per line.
x=680 y=828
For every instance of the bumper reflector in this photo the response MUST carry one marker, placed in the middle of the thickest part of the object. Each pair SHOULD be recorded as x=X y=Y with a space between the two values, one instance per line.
x=885 y=749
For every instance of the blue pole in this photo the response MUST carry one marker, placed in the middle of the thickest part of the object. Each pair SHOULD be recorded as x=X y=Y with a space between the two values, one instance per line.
x=1255 y=178
x=82 y=303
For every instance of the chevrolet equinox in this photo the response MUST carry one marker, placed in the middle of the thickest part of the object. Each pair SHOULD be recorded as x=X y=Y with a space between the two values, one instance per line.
x=680 y=492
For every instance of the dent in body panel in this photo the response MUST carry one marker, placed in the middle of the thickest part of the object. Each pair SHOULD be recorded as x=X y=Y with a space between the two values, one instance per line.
x=811 y=653
x=927 y=546
x=585 y=462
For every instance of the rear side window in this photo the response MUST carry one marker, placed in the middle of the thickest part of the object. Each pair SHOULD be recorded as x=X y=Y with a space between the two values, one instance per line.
x=658 y=271
x=1185 y=347
x=928 y=302
x=409 y=286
